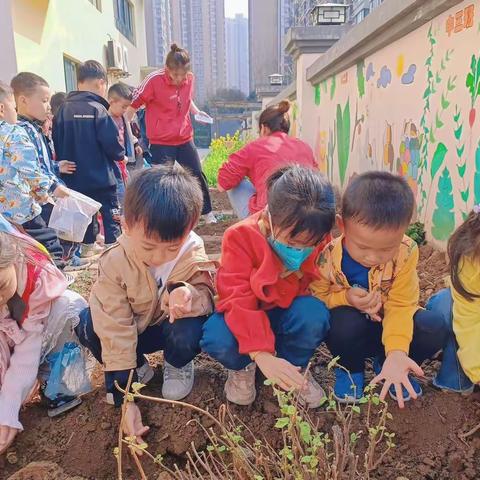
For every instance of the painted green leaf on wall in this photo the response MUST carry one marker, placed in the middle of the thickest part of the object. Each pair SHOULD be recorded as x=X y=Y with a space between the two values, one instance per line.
x=462 y=169
x=343 y=139
x=443 y=220
x=438 y=159
x=333 y=87
x=465 y=194
x=476 y=178
x=361 y=78
x=318 y=95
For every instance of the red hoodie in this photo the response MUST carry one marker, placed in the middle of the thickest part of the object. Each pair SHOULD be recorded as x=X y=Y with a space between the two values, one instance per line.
x=259 y=159
x=252 y=279
x=167 y=108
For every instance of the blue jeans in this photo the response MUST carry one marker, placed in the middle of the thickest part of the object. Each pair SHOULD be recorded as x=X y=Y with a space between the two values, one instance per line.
x=240 y=197
x=180 y=342
x=298 y=331
x=451 y=375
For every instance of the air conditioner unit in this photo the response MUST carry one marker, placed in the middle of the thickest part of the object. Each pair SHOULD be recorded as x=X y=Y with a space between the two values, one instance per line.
x=115 y=57
x=125 y=59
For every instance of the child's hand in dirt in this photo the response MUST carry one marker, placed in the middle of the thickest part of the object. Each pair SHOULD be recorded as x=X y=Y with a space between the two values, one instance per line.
x=367 y=302
x=395 y=371
x=179 y=303
x=7 y=435
x=133 y=425
x=280 y=371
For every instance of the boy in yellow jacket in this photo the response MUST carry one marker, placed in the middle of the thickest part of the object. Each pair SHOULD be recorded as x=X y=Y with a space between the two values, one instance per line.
x=154 y=290
x=369 y=281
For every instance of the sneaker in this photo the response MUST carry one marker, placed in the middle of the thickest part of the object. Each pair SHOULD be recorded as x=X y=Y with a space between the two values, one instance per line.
x=145 y=373
x=90 y=250
x=348 y=387
x=210 y=218
x=69 y=278
x=177 y=382
x=240 y=385
x=76 y=263
x=462 y=391
x=377 y=368
x=313 y=396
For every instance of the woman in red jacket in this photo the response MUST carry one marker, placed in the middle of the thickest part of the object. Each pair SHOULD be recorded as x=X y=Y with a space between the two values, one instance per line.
x=265 y=313
x=168 y=98
x=259 y=159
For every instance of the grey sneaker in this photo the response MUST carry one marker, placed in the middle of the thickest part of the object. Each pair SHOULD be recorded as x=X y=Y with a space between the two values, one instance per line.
x=177 y=382
x=312 y=397
x=76 y=264
x=240 y=385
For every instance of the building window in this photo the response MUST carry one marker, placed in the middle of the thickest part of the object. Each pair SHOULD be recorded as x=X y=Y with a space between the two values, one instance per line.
x=97 y=4
x=125 y=18
x=70 y=69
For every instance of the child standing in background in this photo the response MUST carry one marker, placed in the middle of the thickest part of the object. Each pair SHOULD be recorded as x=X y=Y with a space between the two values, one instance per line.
x=32 y=96
x=369 y=281
x=460 y=306
x=85 y=134
x=266 y=316
x=120 y=98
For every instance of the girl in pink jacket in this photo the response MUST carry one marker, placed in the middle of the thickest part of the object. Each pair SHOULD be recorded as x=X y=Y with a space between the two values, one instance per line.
x=37 y=316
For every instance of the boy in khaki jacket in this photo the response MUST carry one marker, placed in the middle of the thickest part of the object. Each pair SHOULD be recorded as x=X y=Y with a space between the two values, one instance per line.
x=154 y=291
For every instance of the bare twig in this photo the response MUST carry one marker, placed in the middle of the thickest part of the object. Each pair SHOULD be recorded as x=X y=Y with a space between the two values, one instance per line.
x=120 y=430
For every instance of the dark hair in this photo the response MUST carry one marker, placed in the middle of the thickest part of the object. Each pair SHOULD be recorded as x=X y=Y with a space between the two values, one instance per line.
x=301 y=200
x=25 y=83
x=378 y=200
x=276 y=117
x=168 y=200
x=177 y=58
x=91 y=70
x=5 y=91
x=465 y=242
x=120 y=90
x=57 y=100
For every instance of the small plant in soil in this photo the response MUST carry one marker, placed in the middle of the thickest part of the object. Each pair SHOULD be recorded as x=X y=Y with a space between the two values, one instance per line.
x=352 y=449
x=416 y=231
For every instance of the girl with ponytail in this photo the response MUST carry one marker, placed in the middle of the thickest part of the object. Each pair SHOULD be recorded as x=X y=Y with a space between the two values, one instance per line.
x=167 y=95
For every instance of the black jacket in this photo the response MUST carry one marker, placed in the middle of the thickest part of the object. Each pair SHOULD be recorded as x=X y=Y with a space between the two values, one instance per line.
x=84 y=133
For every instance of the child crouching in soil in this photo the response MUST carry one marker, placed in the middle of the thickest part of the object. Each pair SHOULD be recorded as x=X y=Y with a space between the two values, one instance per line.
x=154 y=291
x=37 y=317
x=369 y=281
x=265 y=314
x=460 y=305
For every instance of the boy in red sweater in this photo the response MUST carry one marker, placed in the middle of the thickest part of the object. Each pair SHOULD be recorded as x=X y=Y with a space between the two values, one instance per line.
x=265 y=314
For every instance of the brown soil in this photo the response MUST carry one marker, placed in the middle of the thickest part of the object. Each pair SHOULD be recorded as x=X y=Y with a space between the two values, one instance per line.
x=80 y=444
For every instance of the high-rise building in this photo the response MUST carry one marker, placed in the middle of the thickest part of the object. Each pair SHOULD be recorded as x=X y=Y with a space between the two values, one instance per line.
x=361 y=8
x=236 y=35
x=158 y=24
x=264 y=51
x=199 y=26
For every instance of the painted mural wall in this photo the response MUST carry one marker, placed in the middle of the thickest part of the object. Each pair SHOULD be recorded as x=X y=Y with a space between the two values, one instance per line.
x=412 y=109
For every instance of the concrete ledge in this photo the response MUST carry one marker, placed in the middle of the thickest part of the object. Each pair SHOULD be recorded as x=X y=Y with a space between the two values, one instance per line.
x=318 y=39
x=390 y=21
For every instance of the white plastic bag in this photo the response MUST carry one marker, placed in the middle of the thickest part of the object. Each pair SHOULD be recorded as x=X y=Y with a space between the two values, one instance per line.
x=72 y=215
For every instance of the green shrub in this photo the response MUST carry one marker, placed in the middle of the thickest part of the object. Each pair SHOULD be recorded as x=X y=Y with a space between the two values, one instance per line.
x=220 y=149
x=416 y=231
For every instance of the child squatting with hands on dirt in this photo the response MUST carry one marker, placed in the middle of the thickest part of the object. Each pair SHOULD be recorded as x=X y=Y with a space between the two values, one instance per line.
x=369 y=281
x=265 y=315
x=460 y=306
x=154 y=290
